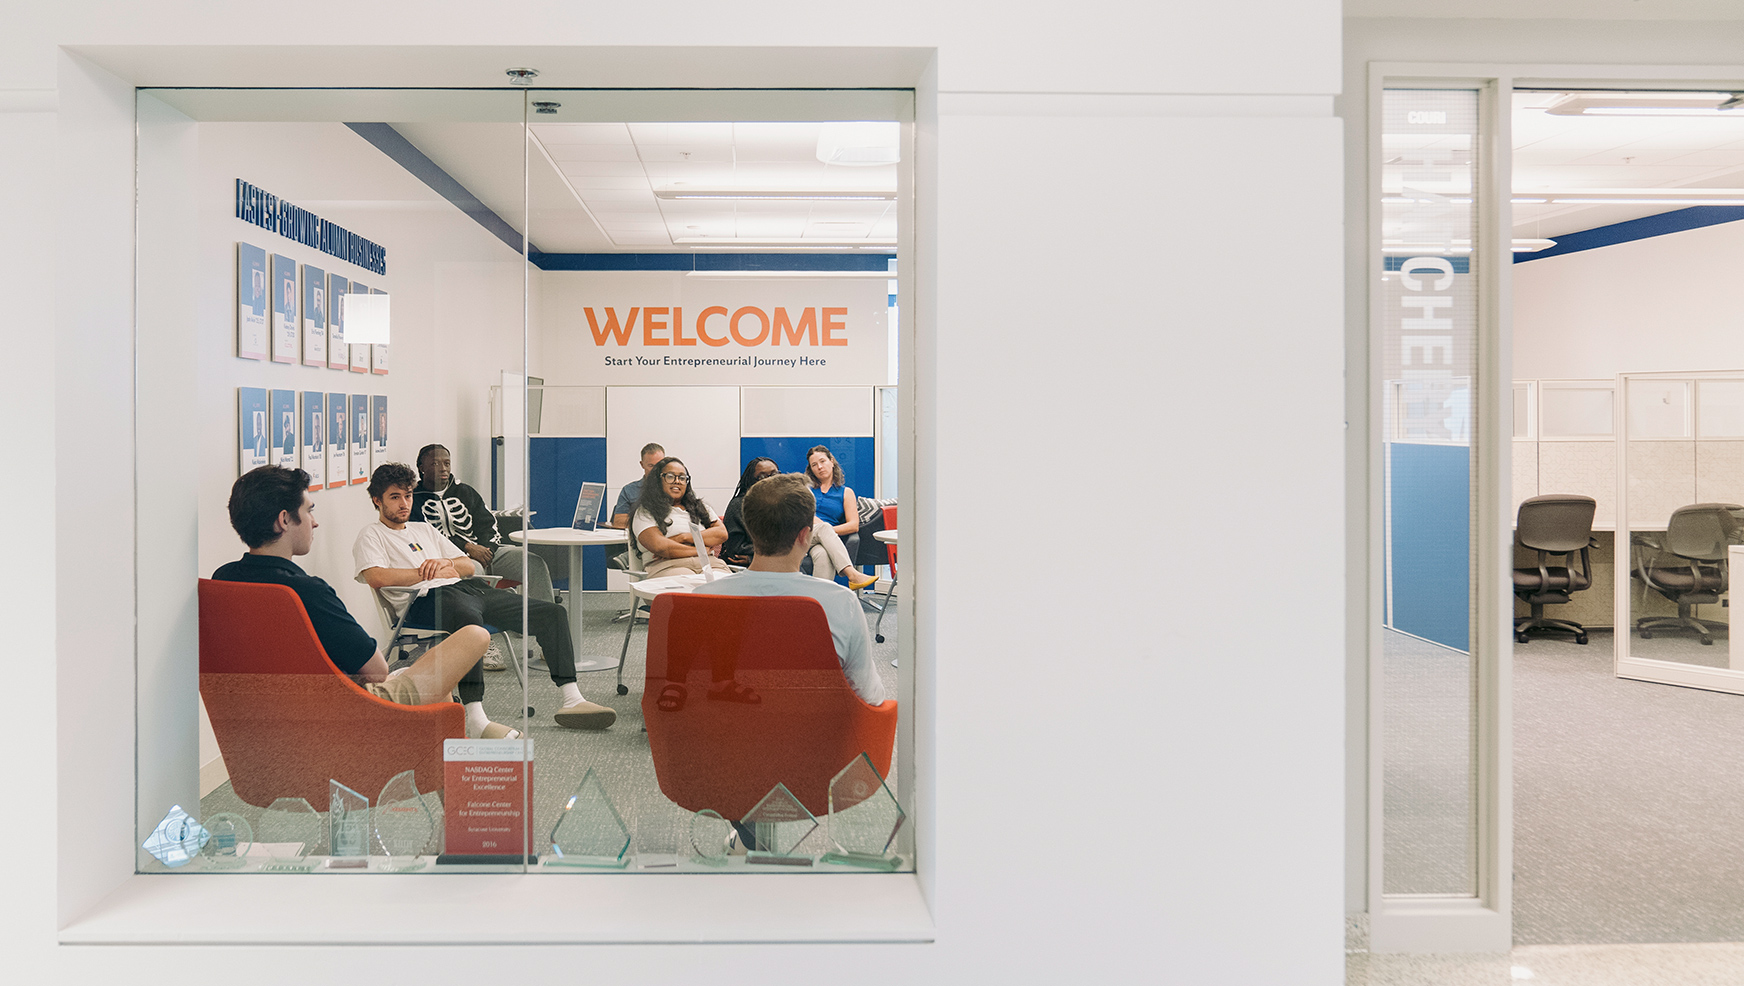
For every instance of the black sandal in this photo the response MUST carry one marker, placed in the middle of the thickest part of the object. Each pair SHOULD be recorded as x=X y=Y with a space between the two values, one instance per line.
x=671 y=698
x=732 y=691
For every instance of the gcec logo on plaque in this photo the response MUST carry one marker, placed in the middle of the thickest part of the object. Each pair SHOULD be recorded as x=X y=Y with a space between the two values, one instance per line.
x=664 y=328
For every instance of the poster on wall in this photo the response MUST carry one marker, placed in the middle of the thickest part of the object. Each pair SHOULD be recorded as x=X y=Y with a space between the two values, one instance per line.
x=379 y=436
x=359 y=354
x=337 y=356
x=283 y=415
x=251 y=428
x=665 y=328
x=284 y=310
x=314 y=427
x=359 y=438
x=314 y=316
x=378 y=352
x=338 y=465
x=250 y=302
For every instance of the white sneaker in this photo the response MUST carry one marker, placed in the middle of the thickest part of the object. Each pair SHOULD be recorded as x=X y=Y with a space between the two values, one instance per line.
x=493 y=658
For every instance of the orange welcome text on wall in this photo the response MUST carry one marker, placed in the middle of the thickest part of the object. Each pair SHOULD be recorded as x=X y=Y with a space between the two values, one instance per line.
x=747 y=326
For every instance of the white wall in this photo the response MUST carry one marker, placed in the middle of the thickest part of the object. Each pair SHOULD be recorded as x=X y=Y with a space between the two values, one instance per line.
x=1225 y=748
x=1663 y=303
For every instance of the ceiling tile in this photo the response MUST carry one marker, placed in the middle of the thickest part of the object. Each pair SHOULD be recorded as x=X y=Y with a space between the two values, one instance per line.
x=583 y=182
x=565 y=153
x=700 y=134
x=581 y=133
x=685 y=153
x=604 y=169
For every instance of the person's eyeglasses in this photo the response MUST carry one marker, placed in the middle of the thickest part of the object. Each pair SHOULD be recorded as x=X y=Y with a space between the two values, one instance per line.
x=675 y=477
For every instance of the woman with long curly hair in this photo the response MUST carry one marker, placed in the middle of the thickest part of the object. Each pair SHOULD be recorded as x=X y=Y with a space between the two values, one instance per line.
x=667 y=514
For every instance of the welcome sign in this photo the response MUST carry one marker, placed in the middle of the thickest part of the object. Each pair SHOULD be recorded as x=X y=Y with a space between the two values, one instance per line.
x=654 y=328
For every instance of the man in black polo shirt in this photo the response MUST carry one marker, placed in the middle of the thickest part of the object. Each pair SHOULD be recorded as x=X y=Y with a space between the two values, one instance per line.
x=272 y=512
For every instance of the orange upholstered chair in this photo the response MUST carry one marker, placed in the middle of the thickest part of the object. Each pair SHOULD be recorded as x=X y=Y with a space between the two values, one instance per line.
x=804 y=725
x=287 y=720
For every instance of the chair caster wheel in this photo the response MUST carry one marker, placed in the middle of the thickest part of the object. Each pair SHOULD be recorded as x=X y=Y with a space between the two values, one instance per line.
x=879 y=638
x=1519 y=638
x=1707 y=641
x=1581 y=639
x=530 y=712
x=623 y=689
x=1647 y=635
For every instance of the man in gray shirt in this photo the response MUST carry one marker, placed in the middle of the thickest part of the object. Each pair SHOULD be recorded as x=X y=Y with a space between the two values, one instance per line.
x=626 y=505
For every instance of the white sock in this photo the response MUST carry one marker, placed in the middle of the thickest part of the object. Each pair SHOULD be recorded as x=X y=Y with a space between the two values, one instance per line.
x=476 y=720
x=571 y=694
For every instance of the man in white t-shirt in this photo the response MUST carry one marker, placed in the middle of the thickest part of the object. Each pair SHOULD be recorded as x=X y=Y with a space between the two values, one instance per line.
x=779 y=512
x=424 y=571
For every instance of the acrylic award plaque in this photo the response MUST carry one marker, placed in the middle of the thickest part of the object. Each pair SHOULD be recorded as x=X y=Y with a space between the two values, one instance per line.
x=711 y=838
x=401 y=824
x=864 y=818
x=589 y=831
x=778 y=825
x=347 y=828
x=289 y=830
x=232 y=838
x=177 y=839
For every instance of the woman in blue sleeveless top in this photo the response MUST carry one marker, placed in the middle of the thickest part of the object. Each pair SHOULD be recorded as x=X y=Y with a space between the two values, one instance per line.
x=837 y=507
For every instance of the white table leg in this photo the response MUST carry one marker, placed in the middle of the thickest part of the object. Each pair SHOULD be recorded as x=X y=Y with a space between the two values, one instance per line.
x=575 y=611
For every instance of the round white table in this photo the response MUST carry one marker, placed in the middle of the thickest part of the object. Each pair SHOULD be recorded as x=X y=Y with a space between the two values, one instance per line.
x=575 y=540
x=888 y=537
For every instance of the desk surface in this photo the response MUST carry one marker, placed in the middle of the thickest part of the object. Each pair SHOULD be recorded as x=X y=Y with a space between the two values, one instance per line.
x=649 y=588
x=887 y=536
x=569 y=536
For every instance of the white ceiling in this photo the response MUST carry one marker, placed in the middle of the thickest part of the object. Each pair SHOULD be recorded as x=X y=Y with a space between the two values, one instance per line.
x=591 y=186
x=1552 y=151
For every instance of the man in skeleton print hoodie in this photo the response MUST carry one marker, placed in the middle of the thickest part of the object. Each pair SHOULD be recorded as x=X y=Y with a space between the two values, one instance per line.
x=459 y=514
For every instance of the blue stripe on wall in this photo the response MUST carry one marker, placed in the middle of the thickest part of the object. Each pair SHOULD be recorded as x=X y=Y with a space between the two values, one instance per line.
x=559 y=466
x=1431 y=542
x=1676 y=221
x=390 y=142
x=857 y=456
x=1460 y=265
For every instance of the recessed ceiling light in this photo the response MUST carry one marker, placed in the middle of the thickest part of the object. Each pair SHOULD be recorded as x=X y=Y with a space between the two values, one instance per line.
x=860 y=145
x=1646 y=104
x=679 y=190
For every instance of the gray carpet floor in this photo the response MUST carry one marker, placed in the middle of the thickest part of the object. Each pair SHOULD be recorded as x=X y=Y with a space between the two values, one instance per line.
x=1628 y=796
x=619 y=756
x=1628 y=801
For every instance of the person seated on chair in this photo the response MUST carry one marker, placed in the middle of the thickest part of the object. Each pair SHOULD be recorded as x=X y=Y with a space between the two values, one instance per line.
x=272 y=512
x=839 y=510
x=664 y=516
x=737 y=549
x=437 y=590
x=779 y=513
x=459 y=513
x=632 y=492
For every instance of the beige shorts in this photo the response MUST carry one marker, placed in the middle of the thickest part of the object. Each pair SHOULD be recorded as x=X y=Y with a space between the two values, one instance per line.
x=400 y=690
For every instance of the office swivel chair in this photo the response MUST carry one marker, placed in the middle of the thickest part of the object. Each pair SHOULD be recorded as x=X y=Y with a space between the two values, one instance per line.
x=1556 y=524
x=1689 y=565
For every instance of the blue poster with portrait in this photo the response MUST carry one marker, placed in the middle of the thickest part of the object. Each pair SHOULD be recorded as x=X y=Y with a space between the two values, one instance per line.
x=337 y=463
x=314 y=316
x=379 y=437
x=251 y=428
x=284 y=310
x=359 y=438
x=283 y=418
x=250 y=302
x=314 y=448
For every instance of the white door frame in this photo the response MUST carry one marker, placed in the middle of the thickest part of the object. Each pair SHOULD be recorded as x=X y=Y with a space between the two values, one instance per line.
x=1484 y=922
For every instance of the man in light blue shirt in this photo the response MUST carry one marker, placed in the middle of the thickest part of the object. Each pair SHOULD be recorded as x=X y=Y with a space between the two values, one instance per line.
x=779 y=512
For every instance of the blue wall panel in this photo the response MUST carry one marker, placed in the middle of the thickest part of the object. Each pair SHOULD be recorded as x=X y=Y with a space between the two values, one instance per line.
x=857 y=456
x=1431 y=542
x=559 y=466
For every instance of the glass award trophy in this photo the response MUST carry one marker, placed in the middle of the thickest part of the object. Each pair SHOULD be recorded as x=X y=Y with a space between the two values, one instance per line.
x=401 y=823
x=864 y=818
x=232 y=838
x=589 y=830
x=711 y=838
x=177 y=839
x=347 y=828
x=778 y=825
x=290 y=829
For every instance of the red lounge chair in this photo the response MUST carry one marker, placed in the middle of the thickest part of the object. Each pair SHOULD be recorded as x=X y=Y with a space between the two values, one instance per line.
x=287 y=720
x=804 y=726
